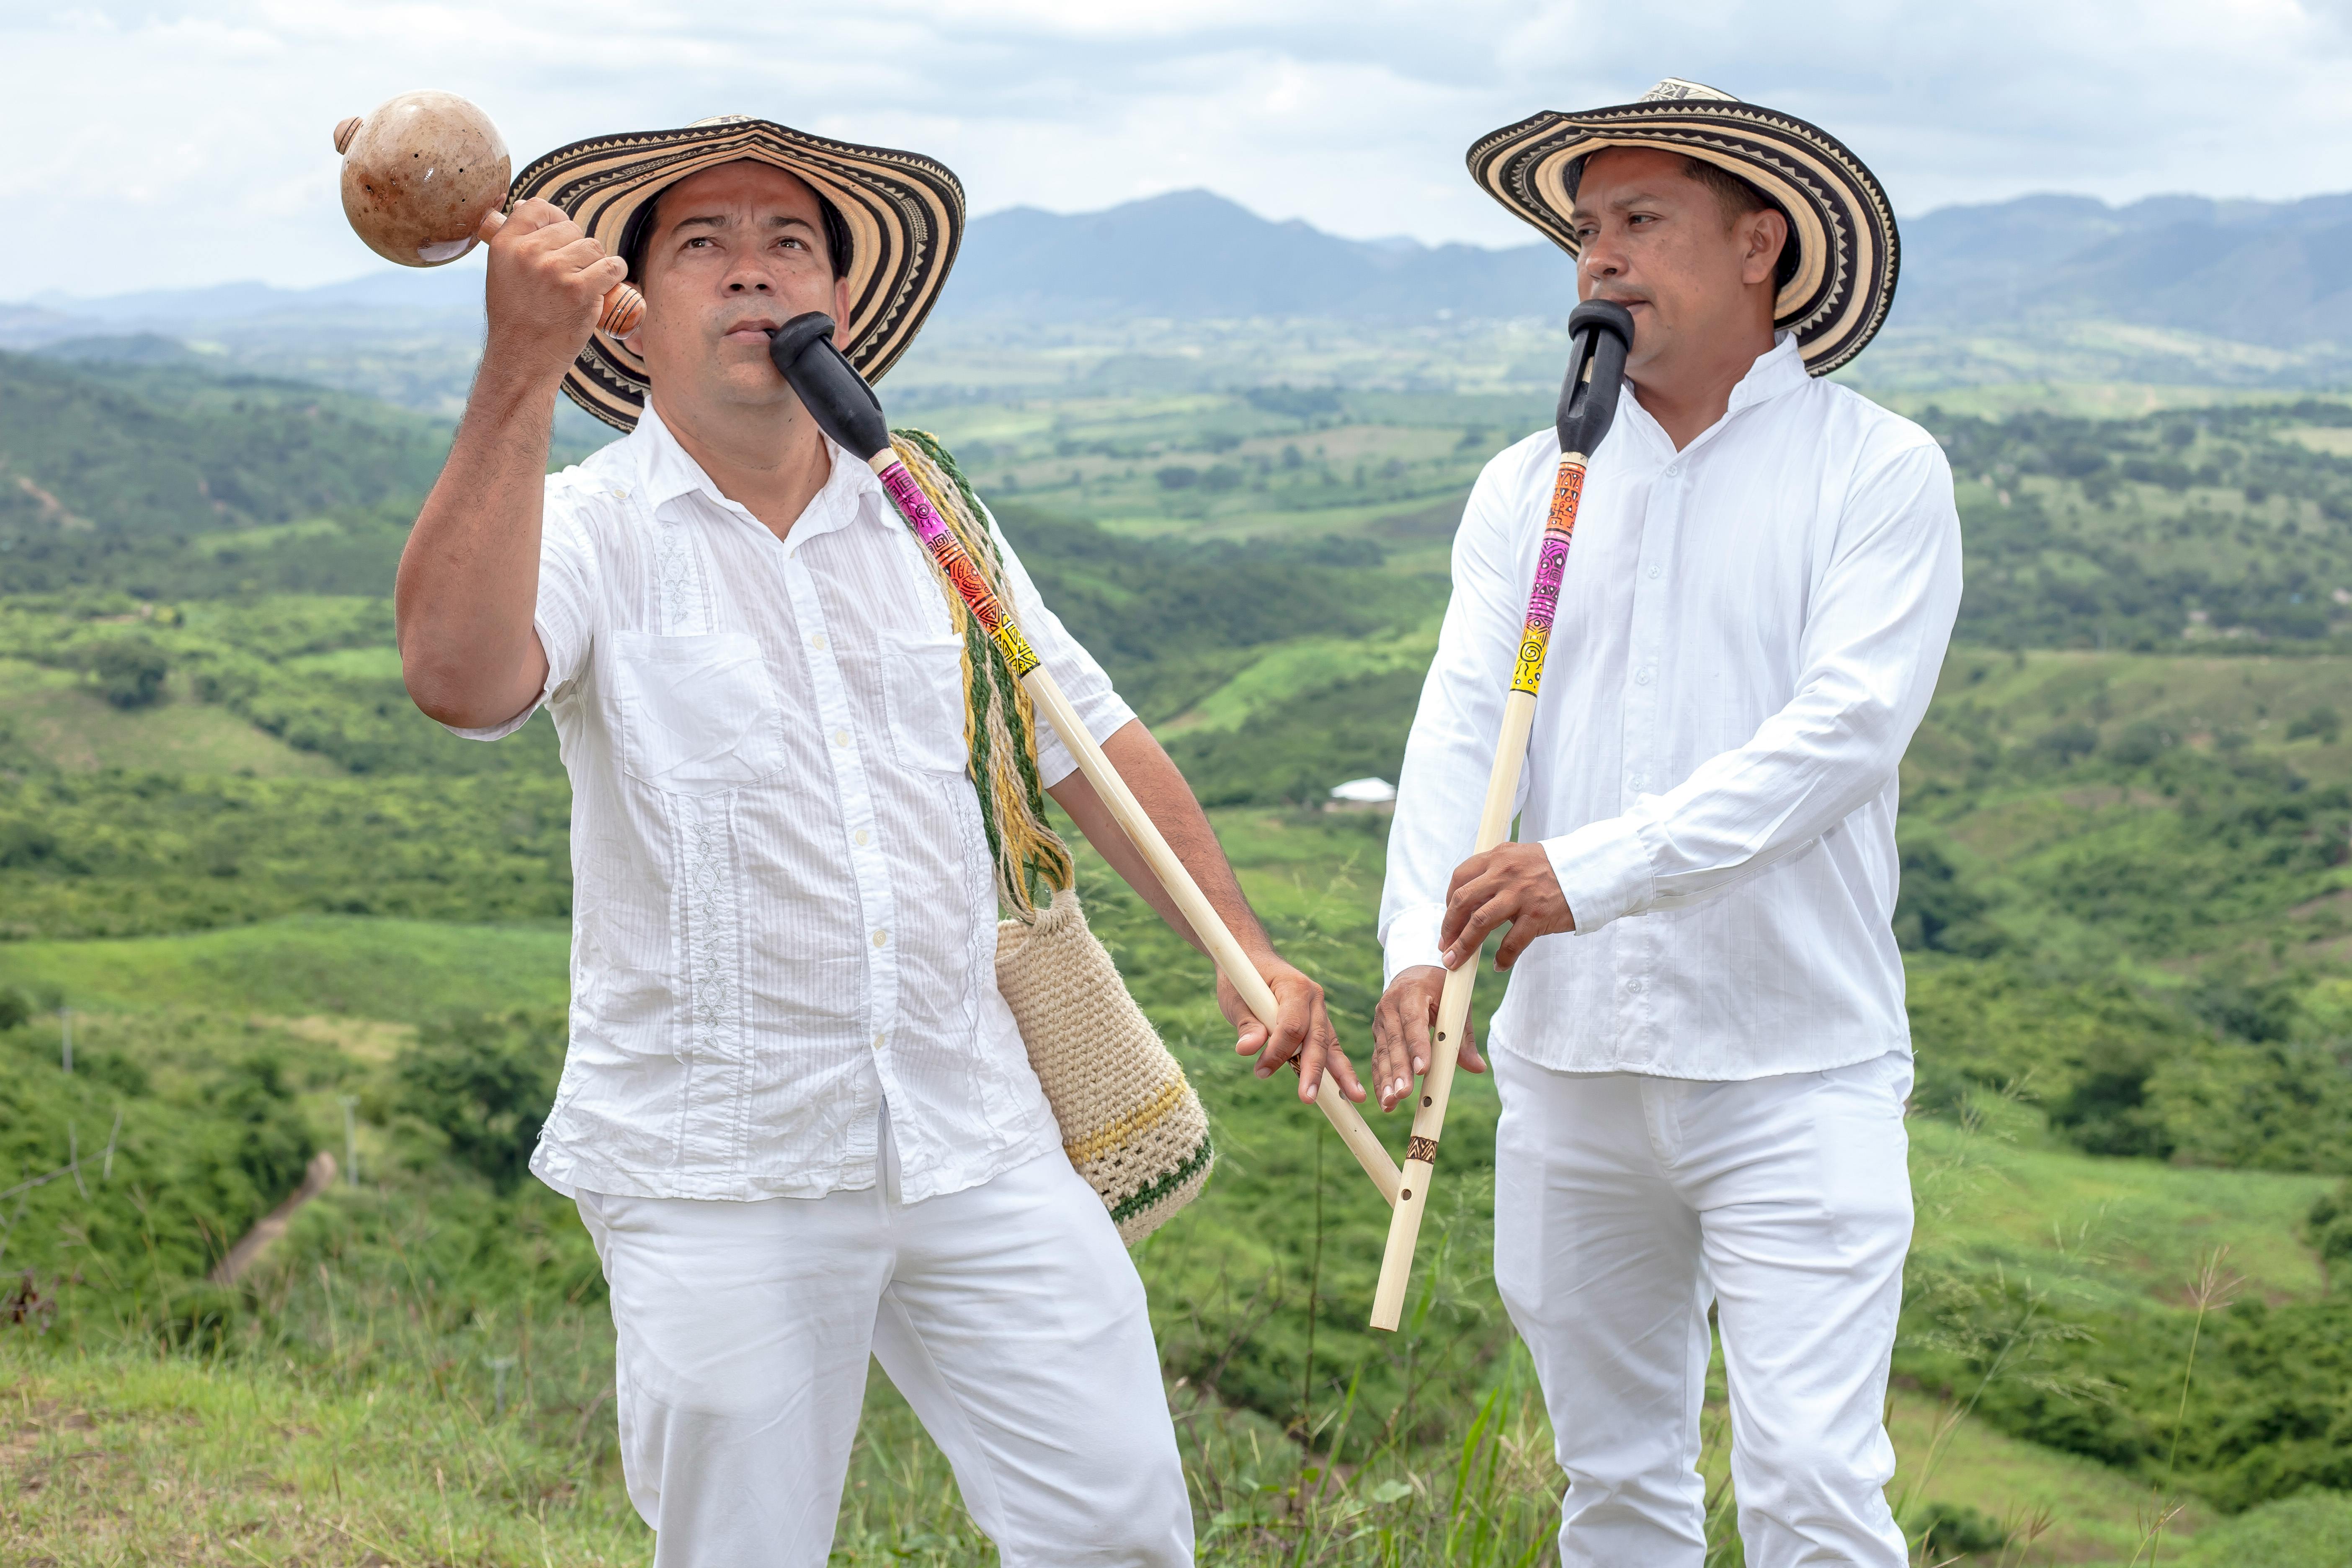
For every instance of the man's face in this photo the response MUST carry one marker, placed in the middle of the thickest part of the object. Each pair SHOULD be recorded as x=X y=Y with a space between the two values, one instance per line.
x=736 y=252
x=1657 y=242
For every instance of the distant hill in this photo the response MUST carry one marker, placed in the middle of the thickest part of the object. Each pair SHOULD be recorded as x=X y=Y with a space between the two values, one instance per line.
x=103 y=464
x=1195 y=254
x=2275 y=273
x=2174 y=288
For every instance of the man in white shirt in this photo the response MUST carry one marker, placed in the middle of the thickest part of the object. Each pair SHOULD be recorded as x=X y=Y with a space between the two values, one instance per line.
x=1703 y=1055
x=795 y=1112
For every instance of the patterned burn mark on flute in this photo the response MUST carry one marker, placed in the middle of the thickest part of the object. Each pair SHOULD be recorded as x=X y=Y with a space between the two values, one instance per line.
x=947 y=550
x=1421 y=1149
x=1552 y=564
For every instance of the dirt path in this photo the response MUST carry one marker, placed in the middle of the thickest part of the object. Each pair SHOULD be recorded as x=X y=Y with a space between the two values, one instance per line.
x=316 y=1178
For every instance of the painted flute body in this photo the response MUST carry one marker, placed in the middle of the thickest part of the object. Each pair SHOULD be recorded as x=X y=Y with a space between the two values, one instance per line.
x=1494 y=827
x=1602 y=332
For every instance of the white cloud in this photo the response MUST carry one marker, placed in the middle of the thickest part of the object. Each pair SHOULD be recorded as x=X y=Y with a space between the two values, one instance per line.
x=153 y=145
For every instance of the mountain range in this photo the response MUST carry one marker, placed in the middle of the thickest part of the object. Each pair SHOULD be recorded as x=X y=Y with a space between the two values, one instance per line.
x=2274 y=275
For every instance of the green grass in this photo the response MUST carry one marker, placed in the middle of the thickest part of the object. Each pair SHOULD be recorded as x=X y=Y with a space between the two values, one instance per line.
x=2253 y=698
x=1303 y=665
x=118 y=1458
x=2104 y=1232
x=58 y=719
x=2092 y=1514
x=400 y=970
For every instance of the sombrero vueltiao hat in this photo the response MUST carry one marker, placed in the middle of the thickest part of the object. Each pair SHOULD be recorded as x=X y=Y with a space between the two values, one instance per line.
x=1838 y=219
x=904 y=212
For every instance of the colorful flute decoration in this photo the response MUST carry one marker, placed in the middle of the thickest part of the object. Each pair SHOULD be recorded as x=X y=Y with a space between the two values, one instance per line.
x=846 y=408
x=1600 y=333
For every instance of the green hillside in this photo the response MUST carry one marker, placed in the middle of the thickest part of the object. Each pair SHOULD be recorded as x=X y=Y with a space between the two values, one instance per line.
x=265 y=886
x=156 y=478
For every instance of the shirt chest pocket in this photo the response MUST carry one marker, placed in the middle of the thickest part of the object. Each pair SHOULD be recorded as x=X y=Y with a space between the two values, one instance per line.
x=922 y=687
x=699 y=715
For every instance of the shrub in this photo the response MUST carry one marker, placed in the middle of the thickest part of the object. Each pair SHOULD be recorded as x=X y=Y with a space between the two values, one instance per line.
x=1945 y=1529
x=485 y=1083
x=2328 y=1226
x=1178 y=477
x=2323 y=721
x=130 y=671
x=2142 y=743
x=2068 y=741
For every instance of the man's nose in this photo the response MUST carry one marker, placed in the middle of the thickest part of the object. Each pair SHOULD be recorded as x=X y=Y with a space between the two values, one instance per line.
x=755 y=285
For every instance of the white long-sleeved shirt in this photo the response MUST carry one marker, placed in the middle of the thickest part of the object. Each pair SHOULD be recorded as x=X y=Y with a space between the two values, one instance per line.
x=1748 y=632
x=784 y=912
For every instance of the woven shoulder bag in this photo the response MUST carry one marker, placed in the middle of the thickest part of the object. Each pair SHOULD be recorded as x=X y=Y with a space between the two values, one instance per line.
x=1130 y=1121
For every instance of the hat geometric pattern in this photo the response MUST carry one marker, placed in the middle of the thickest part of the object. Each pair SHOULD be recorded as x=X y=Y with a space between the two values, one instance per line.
x=905 y=214
x=1848 y=251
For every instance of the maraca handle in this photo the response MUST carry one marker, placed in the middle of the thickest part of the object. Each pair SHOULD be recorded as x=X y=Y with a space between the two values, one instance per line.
x=624 y=307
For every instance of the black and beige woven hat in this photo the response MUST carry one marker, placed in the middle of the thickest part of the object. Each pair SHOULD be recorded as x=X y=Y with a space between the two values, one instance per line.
x=904 y=213
x=1847 y=248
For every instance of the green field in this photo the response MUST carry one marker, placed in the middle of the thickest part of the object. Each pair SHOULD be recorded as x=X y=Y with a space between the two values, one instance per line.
x=269 y=892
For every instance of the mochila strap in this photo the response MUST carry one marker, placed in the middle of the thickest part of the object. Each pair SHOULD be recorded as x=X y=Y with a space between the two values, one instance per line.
x=1000 y=722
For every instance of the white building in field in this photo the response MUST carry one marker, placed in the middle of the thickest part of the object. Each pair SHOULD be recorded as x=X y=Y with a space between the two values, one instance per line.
x=1364 y=794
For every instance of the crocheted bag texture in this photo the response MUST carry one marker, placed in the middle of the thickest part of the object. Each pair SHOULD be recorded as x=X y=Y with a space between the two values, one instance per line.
x=1130 y=1121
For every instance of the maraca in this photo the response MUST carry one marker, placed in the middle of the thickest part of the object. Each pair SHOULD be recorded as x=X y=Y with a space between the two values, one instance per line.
x=425 y=176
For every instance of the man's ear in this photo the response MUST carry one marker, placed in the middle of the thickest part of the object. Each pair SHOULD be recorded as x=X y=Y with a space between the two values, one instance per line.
x=841 y=314
x=1762 y=233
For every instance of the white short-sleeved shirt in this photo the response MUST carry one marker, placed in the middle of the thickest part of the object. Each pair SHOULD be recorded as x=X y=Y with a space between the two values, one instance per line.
x=784 y=912
x=1747 y=633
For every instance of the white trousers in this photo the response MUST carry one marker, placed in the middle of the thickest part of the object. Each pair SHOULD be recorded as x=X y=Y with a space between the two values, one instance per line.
x=1623 y=1205
x=1008 y=1314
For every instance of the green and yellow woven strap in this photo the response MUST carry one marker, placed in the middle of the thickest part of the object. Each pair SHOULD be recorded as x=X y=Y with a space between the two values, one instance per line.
x=1000 y=722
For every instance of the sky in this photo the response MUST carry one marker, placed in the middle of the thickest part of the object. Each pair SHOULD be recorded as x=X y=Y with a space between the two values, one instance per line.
x=153 y=146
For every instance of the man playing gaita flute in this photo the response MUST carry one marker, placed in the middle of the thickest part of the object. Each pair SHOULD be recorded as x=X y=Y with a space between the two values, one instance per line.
x=796 y=1113
x=1703 y=1055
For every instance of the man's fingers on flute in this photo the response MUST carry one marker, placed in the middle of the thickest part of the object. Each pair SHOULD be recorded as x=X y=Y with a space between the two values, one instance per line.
x=1338 y=1069
x=1389 y=1057
x=1469 y=871
x=1249 y=1035
x=1514 y=942
x=1323 y=1040
x=1469 y=1060
x=1419 y=1013
x=1464 y=945
x=1300 y=1001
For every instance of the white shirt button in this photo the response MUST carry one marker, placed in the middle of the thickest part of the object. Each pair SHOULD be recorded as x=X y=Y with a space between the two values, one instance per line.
x=1656 y=570
x=880 y=937
x=1634 y=986
x=860 y=837
x=1642 y=676
x=878 y=1039
x=817 y=641
x=1673 y=471
x=841 y=736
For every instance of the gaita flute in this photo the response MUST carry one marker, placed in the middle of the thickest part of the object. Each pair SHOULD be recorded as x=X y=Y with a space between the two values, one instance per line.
x=1598 y=333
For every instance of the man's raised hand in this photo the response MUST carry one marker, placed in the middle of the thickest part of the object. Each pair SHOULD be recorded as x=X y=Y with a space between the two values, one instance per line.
x=547 y=285
x=1302 y=1030
x=1401 y=1030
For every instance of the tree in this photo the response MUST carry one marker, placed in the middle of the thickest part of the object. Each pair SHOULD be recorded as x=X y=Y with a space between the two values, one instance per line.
x=130 y=671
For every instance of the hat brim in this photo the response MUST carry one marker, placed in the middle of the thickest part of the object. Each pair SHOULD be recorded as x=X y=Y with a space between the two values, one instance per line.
x=905 y=213
x=1847 y=246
